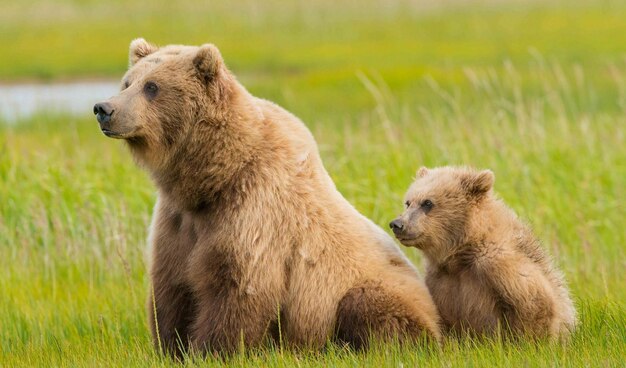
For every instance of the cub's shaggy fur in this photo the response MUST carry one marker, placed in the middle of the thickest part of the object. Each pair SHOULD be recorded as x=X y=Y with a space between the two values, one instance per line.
x=248 y=229
x=485 y=269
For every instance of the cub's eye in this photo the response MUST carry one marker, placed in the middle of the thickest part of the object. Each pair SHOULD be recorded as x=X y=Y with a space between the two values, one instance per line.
x=427 y=205
x=151 y=89
x=126 y=85
x=407 y=204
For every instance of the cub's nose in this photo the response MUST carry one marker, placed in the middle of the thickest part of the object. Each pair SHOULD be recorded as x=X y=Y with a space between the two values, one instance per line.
x=103 y=112
x=397 y=226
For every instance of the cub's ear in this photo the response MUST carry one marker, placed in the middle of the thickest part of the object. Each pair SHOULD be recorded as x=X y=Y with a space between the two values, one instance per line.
x=140 y=48
x=478 y=183
x=422 y=172
x=208 y=62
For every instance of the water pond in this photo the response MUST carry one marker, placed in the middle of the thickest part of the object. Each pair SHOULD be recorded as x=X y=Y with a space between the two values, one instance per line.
x=20 y=101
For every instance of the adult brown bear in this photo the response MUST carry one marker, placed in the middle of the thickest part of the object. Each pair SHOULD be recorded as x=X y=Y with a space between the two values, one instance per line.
x=248 y=229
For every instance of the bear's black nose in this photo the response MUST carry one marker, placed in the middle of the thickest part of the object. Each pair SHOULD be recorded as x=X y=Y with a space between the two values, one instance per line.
x=396 y=225
x=103 y=112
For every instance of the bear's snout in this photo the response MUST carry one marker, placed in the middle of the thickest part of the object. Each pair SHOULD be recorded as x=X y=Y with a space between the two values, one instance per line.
x=397 y=226
x=103 y=112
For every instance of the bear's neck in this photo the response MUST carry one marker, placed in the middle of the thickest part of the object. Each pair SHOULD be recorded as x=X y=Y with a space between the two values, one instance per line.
x=197 y=188
x=444 y=256
x=484 y=223
x=216 y=161
x=491 y=225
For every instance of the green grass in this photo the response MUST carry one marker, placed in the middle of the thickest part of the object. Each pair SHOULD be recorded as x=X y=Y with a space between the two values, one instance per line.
x=534 y=91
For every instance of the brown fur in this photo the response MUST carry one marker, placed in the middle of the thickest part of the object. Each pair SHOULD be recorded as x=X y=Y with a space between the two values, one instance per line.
x=485 y=269
x=248 y=225
x=371 y=310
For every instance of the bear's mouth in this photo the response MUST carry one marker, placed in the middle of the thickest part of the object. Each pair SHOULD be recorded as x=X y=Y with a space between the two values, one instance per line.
x=111 y=134
x=404 y=239
x=108 y=133
x=409 y=240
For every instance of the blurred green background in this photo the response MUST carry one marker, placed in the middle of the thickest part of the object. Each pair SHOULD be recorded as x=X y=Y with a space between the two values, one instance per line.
x=535 y=90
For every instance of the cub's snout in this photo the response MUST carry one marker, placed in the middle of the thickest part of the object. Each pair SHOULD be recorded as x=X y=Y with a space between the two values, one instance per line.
x=397 y=226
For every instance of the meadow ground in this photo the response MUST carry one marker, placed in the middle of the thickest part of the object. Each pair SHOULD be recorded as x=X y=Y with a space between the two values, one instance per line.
x=536 y=91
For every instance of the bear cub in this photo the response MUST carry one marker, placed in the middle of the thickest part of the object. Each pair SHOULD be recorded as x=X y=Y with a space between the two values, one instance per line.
x=484 y=268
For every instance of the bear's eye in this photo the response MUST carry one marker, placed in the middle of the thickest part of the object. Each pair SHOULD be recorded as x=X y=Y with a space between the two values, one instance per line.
x=407 y=204
x=427 y=205
x=151 y=89
x=126 y=85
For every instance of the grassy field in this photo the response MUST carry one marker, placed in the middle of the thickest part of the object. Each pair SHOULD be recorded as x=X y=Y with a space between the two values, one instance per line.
x=536 y=91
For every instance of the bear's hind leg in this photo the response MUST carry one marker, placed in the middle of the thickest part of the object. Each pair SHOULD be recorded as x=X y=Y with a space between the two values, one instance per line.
x=371 y=311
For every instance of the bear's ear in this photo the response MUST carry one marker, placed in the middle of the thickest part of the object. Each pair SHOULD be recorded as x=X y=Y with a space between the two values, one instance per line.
x=208 y=62
x=478 y=183
x=422 y=172
x=140 y=48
